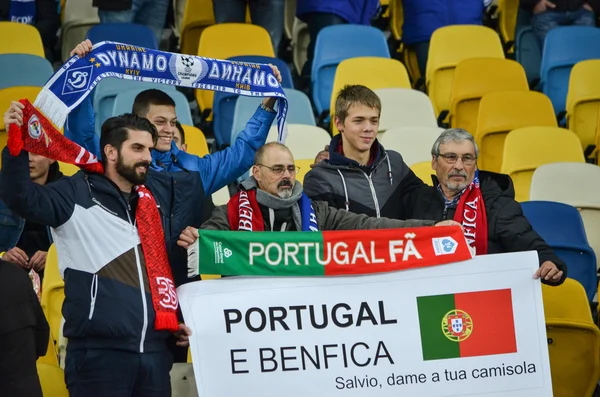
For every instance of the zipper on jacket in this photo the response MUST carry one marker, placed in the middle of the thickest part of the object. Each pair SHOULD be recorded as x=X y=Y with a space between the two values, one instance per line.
x=377 y=212
x=445 y=213
x=93 y=294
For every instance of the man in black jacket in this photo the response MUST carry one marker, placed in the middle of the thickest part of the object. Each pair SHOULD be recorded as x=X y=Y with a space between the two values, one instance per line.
x=24 y=334
x=454 y=159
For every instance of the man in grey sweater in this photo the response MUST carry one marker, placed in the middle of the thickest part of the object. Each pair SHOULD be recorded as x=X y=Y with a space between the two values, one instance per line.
x=272 y=200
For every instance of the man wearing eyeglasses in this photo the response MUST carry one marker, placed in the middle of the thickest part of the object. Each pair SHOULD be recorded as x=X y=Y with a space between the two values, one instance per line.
x=482 y=202
x=272 y=200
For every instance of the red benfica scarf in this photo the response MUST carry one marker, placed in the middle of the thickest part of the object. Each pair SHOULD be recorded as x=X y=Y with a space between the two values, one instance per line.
x=470 y=213
x=39 y=136
x=244 y=213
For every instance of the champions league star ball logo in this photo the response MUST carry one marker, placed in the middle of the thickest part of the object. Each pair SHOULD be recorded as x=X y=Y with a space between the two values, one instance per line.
x=187 y=68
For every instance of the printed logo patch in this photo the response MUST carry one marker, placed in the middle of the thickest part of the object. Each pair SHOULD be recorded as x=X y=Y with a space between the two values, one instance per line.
x=78 y=80
x=188 y=68
x=444 y=245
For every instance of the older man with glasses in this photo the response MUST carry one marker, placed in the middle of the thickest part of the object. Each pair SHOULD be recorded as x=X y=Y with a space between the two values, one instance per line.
x=482 y=202
x=272 y=200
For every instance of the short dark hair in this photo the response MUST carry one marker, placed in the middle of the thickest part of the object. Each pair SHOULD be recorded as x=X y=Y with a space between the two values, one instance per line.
x=355 y=94
x=258 y=157
x=115 y=131
x=181 y=132
x=150 y=97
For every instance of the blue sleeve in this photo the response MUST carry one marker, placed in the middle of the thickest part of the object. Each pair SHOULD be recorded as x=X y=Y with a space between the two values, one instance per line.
x=51 y=205
x=80 y=127
x=220 y=168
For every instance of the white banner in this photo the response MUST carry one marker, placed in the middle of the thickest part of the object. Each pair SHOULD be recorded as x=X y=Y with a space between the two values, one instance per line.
x=465 y=329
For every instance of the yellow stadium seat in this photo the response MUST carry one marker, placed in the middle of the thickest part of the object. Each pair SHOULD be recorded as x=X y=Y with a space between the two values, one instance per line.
x=51 y=356
x=195 y=141
x=198 y=15
x=473 y=78
x=449 y=45
x=226 y=40
x=396 y=18
x=583 y=100
x=53 y=294
x=372 y=72
x=303 y=168
x=424 y=171
x=7 y=95
x=527 y=148
x=573 y=340
x=597 y=142
x=68 y=169
x=507 y=21
x=19 y=38
x=502 y=112
x=52 y=379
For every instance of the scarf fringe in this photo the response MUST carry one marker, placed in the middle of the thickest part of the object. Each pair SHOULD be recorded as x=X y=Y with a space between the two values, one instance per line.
x=52 y=107
x=166 y=321
x=193 y=260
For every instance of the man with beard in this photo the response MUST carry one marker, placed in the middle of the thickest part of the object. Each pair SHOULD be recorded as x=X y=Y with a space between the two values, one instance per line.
x=117 y=346
x=282 y=205
x=482 y=202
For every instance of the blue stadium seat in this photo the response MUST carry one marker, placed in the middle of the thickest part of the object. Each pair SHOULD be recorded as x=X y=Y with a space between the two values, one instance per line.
x=127 y=33
x=336 y=43
x=224 y=102
x=106 y=91
x=562 y=228
x=564 y=47
x=124 y=102
x=24 y=70
x=527 y=48
x=299 y=111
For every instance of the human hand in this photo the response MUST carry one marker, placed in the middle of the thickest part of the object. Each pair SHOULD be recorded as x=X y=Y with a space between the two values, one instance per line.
x=587 y=7
x=38 y=261
x=82 y=49
x=183 y=335
x=549 y=272
x=270 y=102
x=14 y=114
x=17 y=256
x=322 y=155
x=448 y=223
x=543 y=5
x=188 y=237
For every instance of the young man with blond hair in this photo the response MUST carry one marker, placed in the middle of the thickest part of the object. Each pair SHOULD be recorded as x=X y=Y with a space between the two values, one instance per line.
x=360 y=175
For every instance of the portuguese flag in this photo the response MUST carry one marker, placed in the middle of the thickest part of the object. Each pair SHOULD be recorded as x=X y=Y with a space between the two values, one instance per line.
x=467 y=324
x=330 y=253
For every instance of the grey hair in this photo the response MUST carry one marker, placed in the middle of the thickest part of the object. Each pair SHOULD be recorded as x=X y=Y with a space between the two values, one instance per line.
x=453 y=135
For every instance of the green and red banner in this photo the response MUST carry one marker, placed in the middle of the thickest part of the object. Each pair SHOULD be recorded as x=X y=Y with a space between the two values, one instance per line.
x=330 y=253
x=467 y=324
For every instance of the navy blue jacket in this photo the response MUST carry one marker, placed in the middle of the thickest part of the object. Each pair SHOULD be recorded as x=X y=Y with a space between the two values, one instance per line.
x=107 y=298
x=423 y=17
x=352 y=11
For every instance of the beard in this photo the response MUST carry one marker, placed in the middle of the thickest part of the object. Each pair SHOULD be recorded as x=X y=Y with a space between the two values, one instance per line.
x=285 y=193
x=457 y=186
x=129 y=171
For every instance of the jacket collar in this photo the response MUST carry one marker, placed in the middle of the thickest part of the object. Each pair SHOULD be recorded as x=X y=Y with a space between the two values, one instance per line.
x=338 y=159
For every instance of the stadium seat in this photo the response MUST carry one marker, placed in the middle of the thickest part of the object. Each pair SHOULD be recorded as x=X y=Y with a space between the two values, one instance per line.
x=68 y=169
x=563 y=48
x=127 y=33
x=53 y=294
x=226 y=40
x=473 y=78
x=396 y=19
x=449 y=45
x=79 y=16
x=401 y=107
x=221 y=197
x=413 y=143
x=502 y=112
x=573 y=340
x=507 y=22
x=303 y=168
x=423 y=171
x=335 y=44
x=20 y=38
x=300 y=42
x=299 y=112
x=224 y=102
x=7 y=95
x=373 y=72
x=561 y=226
x=579 y=187
x=527 y=148
x=528 y=53
x=24 y=70
x=583 y=100
x=305 y=141
x=198 y=15
x=51 y=356
x=107 y=89
x=290 y=15
x=124 y=102
x=195 y=140
x=52 y=379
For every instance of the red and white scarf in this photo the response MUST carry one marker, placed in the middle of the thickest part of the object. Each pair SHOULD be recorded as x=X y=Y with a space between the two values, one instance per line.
x=470 y=213
x=39 y=136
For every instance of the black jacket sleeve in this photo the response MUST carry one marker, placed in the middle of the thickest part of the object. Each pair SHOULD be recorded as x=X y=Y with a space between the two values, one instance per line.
x=47 y=21
x=528 y=4
x=515 y=234
x=51 y=205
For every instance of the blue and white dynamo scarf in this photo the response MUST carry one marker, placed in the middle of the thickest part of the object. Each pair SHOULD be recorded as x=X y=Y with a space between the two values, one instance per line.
x=76 y=79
